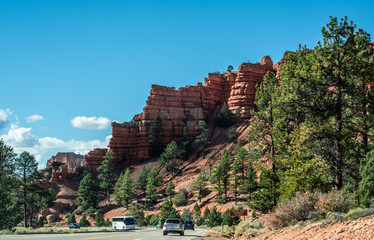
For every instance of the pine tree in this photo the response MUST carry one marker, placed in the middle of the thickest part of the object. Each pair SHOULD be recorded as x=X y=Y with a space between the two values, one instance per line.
x=155 y=135
x=106 y=170
x=26 y=166
x=170 y=190
x=71 y=219
x=124 y=192
x=199 y=186
x=153 y=182
x=365 y=191
x=202 y=138
x=168 y=156
x=99 y=219
x=87 y=192
x=142 y=178
x=220 y=176
x=9 y=186
x=84 y=222
x=214 y=218
x=196 y=211
x=223 y=118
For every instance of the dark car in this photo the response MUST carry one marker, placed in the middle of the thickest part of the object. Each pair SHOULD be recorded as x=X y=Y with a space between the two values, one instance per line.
x=74 y=225
x=160 y=224
x=189 y=225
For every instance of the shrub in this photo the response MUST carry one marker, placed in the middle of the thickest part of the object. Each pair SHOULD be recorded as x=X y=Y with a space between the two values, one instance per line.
x=180 y=199
x=335 y=201
x=300 y=208
x=248 y=228
x=359 y=213
x=331 y=218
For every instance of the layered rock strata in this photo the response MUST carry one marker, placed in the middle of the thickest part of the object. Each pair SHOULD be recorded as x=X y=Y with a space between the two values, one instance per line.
x=72 y=163
x=185 y=107
x=94 y=158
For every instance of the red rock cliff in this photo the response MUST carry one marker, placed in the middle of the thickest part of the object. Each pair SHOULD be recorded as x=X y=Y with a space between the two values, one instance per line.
x=186 y=106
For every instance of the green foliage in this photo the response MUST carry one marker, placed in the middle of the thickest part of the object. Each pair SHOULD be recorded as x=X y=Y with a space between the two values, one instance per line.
x=106 y=170
x=238 y=115
x=9 y=185
x=232 y=134
x=155 y=135
x=183 y=145
x=39 y=222
x=26 y=167
x=87 y=192
x=248 y=228
x=56 y=165
x=365 y=191
x=180 y=199
x=220 y=176
x=141 y=181
x=124 y=189
x=170 y=190
x=187 y=215
x=153 y=182
x=108 y=223
x=214 y=218
x=71 y=219
x=206 y=213
x=167 y=158
x=223 y=118
x=99 y=219
x=154 y=220
x=202 y=138
x=84 y=222
x=264 y=199
x=168 y=211
x=196 y=211
x=199 y=186
x=138 y=215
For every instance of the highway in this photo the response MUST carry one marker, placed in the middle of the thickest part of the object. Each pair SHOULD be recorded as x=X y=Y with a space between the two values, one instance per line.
x=137 y=234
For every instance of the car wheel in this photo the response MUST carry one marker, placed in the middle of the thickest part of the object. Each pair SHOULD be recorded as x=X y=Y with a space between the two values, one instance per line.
x=165 y=233
x=182 y=233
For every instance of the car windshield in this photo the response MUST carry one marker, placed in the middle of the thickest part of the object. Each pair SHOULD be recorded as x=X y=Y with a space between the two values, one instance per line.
x=172 y=221
x=189 y=222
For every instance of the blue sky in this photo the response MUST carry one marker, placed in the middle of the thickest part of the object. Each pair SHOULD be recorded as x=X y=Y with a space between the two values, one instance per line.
x=70 y=68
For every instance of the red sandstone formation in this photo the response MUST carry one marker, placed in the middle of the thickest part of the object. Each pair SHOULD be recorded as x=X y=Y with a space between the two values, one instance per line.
x=94 y=158
x=243 y=92
x=71 y=162
x=186 y=107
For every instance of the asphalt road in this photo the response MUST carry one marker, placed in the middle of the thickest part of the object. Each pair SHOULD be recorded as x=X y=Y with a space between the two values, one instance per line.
x=138 y=234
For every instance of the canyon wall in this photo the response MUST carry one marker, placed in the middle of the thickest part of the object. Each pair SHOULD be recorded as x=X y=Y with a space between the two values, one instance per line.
x=185 y=107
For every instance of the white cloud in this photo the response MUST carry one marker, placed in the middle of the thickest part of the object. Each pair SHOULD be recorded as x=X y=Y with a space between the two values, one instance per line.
x=19 y=137
x=4 y=114
x=34 y=118
x=91 y=123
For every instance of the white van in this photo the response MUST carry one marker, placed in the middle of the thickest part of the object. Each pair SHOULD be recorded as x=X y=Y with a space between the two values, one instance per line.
x=123 y=223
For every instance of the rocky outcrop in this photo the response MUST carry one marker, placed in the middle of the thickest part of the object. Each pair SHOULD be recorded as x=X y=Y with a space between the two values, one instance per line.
x=242 y=94
x=94 y=158
x=185 y=107
x=72 y=163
